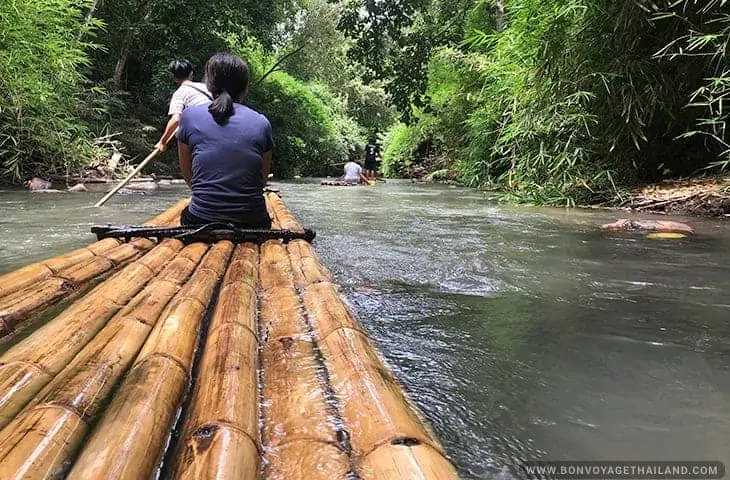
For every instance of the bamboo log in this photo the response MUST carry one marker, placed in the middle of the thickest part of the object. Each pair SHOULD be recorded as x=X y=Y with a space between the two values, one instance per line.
x=415 y=462
x=153 y=390
x=307 y=459
x=220 y=437
x=87 y=381
x=294 y=405
x=306 y=265
x=50 y=348
x=218 y=451
x=373 y=405
x=326 y=311
x=275 y=265
x=17 y=279
x=284 y=217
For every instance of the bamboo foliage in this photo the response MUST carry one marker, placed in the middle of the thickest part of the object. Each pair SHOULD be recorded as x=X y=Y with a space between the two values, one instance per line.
x=85 y=383
x=154 y=387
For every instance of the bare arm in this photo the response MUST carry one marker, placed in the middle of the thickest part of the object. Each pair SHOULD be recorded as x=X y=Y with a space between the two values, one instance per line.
x=266 y=158
x=168 y=133
x=186 y=162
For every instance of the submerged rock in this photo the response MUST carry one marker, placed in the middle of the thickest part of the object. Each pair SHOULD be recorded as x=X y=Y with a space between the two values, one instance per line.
x=79 y=187
x=127 y=191
x=646 y=226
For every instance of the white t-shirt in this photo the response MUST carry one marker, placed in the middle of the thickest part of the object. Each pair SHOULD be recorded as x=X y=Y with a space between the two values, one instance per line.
x=187 y=95
x=352 y=172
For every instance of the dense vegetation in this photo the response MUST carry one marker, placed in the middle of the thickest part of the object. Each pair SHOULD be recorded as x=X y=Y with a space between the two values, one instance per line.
x=551 y=101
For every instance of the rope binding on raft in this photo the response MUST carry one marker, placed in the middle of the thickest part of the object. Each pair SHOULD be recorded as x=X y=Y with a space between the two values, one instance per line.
x=208 y=233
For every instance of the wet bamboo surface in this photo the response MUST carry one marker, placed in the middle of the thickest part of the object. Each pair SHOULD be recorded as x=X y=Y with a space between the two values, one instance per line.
x=26 y=291
x=203 y=361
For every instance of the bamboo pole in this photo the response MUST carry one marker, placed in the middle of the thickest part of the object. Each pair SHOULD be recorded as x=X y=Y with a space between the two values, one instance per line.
x=388 y=436
x=294 y=406
x=155 y=385
x=131 y=175
x=373 y=405
x=104 y=257
x=220 y=436
x=414 y=462
x=83 y=386
x=307 y=459
x=29 y=365
x=29 y=275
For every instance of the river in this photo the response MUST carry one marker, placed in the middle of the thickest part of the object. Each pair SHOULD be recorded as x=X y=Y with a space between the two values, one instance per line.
x=522 y=333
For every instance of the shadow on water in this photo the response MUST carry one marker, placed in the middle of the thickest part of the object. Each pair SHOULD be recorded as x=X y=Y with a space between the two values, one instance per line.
x=521 y=333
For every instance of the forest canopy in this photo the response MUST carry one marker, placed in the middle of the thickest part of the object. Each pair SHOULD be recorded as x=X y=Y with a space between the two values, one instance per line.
x=550 y=101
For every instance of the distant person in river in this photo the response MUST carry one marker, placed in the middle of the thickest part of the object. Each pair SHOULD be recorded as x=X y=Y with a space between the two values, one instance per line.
x=353 y=173
x=225 y=151
x=372 y=151
x=188 y=94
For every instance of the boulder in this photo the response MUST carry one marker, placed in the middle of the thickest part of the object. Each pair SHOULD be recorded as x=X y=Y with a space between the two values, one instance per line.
x=35 y=184
x=79 y=187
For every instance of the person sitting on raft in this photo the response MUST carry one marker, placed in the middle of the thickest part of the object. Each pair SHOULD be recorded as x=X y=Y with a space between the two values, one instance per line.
x=353 y=173
x=225 y=151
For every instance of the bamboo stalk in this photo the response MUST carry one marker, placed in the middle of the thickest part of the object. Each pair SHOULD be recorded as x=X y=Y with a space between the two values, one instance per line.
x=373 y=405
x=291 y=380
x=416 y=462
x=307 y=459
x=23 y=277
x=306 y=265
x=50 y=348
x=153 y=390
x=220 y=437
x=218 y=451
x=326 y=311
x=86 y=382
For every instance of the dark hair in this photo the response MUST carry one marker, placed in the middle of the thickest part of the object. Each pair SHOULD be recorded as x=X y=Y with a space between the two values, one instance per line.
x=181 y=68
x=226 y=76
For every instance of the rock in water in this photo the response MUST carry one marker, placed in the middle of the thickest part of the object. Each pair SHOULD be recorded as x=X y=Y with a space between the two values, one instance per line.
x=147 y=186
x=79 y=187
x=36 y=184
x=646 y=226
x=127 y=191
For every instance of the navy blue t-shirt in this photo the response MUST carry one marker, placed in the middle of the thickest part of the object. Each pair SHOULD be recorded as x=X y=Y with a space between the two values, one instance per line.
x=227 y=177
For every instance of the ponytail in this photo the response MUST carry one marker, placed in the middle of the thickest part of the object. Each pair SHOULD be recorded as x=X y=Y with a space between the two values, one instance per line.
x=221 y=108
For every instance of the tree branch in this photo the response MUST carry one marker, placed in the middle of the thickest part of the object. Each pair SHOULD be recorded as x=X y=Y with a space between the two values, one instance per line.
x=279 y=62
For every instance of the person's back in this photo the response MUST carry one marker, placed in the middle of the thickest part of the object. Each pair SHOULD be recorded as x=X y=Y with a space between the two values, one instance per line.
x=353 y=172
x=227 y=161
x=189 y=94
x=371 y=158
x=225 y=151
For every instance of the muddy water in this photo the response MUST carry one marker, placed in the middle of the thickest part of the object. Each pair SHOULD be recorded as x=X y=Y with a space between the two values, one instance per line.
x=521 y=333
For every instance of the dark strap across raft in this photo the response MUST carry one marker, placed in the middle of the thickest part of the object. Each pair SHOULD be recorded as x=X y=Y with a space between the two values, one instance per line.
x=288 y=384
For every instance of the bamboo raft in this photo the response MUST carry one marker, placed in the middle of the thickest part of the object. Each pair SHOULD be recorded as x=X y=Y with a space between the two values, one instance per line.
x=198 y=361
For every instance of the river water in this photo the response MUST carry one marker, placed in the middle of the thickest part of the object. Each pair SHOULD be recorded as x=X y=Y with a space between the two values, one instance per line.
x=521 y=333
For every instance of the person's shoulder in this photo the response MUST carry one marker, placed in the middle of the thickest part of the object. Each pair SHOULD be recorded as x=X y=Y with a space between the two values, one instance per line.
x=253 y=114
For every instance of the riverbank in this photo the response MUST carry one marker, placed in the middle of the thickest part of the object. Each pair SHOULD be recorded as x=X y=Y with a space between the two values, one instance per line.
x=702 y=197
x=707 y=196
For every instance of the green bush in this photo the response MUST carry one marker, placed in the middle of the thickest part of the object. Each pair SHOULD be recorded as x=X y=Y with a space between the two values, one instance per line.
x=310 y=131
x=41 y=85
